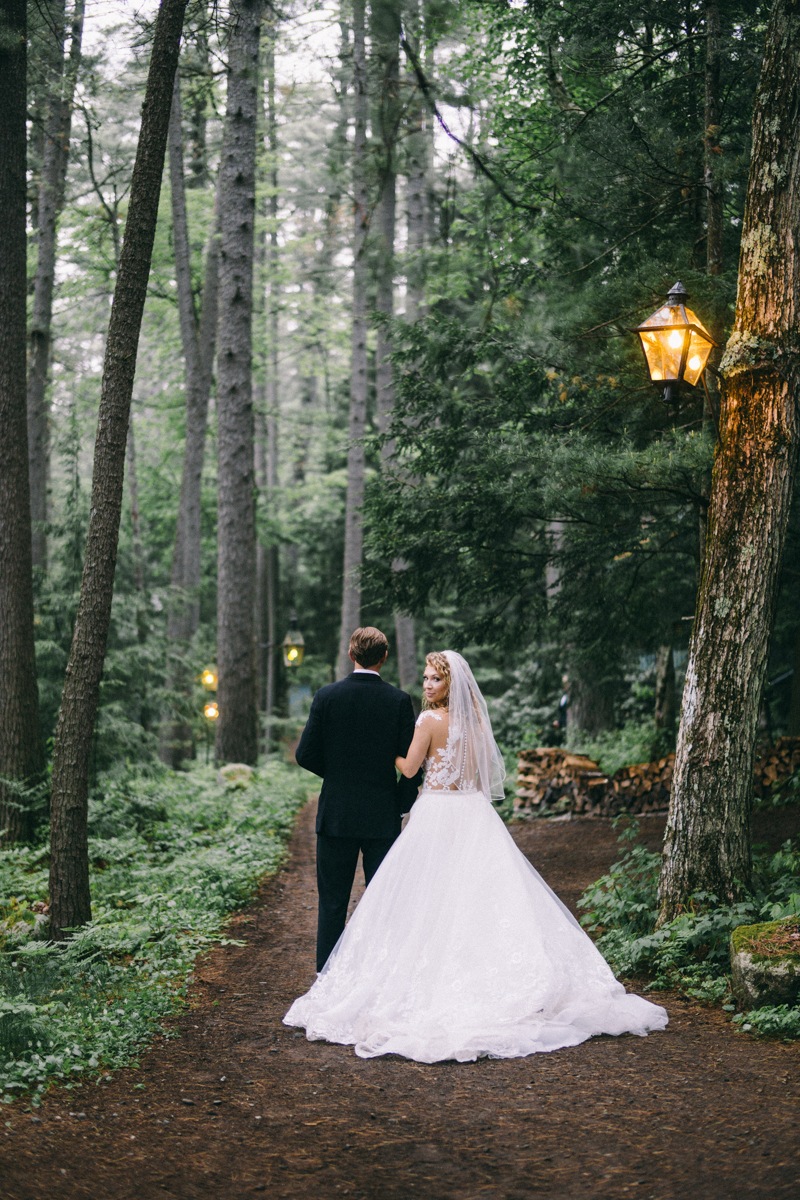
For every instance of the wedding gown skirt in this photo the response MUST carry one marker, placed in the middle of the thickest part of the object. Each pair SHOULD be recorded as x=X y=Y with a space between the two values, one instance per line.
x=459 y=949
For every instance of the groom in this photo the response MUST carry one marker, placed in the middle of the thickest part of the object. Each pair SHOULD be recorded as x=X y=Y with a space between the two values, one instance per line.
x=356 y=728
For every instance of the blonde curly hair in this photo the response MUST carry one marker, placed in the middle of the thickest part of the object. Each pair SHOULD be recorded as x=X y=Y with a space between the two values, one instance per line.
x=440 y=664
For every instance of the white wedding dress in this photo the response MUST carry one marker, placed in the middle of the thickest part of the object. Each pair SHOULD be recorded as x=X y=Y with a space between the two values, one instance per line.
x=458 y=948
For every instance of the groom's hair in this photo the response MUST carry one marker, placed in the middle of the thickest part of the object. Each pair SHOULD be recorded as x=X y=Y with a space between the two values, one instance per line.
x=368 y=646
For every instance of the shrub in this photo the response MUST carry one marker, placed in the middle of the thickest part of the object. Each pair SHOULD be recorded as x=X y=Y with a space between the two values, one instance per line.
x=172 y=855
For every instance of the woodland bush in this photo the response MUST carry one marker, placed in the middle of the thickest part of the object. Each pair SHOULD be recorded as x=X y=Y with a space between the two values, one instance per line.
x=691 y=953
x=172 y=855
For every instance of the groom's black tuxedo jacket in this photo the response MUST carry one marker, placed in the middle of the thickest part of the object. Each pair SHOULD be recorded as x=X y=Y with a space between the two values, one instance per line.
x=356 y=728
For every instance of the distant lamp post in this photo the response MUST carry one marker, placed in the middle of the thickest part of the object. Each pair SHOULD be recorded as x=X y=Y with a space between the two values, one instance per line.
x=209 y=679
x=676 y=345
x=210 y=712
x=293 y=645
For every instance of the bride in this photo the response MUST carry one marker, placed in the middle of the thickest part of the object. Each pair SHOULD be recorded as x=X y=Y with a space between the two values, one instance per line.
x=458 y=948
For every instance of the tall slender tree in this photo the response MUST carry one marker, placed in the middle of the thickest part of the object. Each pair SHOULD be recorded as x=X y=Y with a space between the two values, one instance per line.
x=55 y=157
x=386 y=29
x=70 y=900
x=353 y=527
x=707 y=840
x=198 y=340
x=267 y=559
x=21 y=750
x=237 y=726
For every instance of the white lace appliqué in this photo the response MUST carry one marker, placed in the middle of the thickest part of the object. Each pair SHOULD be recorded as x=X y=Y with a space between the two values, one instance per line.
x=442 y=772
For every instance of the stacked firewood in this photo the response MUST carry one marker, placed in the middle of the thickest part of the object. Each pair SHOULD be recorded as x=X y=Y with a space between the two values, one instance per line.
x=779 y=762
x=551 y=781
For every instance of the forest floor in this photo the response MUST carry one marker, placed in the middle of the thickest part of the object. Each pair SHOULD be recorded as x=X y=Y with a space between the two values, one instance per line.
x=241 y=1105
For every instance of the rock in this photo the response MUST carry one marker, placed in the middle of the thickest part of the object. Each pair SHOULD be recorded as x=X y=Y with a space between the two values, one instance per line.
x=185 y=1100
x=759 y=981
x=234 y=775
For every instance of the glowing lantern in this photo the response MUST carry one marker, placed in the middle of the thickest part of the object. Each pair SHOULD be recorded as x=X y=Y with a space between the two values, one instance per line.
x=211 y=710
x=208 y=678
x=676 y=345
x=293 y=648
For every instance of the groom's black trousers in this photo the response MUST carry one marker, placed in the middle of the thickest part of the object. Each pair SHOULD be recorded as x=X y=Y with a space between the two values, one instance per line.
x=337 y=859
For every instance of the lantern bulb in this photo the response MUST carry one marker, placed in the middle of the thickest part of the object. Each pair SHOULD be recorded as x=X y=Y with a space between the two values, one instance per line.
x=211 y=712
x=675 y=340
x=292 y=655
x=694 y=363
x=656 y=374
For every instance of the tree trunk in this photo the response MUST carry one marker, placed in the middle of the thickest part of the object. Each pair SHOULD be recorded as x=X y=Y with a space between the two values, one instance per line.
x=237 y=726
x=55 y=158
x=267 y=561
x=198 y=341
x=136 y=524
x=70 y=901
x=713 y=109
x=416 y=190
x=353 y=527
x=386 y=48
x=794 y=704
x=707 y=841
x=21 y=750
x=714 y=219
x=665 y=707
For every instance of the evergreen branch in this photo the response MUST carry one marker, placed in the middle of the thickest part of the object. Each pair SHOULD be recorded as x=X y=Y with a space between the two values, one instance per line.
x=476 y=158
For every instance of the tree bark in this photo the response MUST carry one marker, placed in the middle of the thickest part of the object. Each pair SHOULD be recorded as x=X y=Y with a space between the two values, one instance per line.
x=70 y=901
x=237 y=726
x=416 y=189
x=711 y=139
x=386 y=49
x=136 y=524
x=21 y=750
x=665 y=708
x=198 y=340
x=267 y=560
x=794 y=703
x=353 y=526
x=55 y=157
x=707 y=841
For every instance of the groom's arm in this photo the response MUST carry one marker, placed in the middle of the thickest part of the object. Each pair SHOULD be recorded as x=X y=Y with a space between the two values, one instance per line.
x=310 y=752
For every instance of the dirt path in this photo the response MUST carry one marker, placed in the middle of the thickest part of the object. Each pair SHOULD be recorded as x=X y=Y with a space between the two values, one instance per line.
x=240 y=1105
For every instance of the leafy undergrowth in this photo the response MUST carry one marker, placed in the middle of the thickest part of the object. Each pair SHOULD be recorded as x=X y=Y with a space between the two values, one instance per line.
x=171 y=857
x=692 y=953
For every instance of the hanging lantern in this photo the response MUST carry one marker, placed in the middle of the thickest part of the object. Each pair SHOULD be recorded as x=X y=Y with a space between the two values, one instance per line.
x=676 y=345
x=211 y=710
x=293 y=648
x=208 y=678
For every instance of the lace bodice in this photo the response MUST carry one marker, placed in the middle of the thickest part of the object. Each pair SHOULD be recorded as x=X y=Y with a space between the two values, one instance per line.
x=440 y=768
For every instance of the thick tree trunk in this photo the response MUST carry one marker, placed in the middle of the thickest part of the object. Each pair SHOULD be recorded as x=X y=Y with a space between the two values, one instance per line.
x=237 y=726
x=70 y=901
x=55 y=158
x=21 y=750
x=707 y=841
x=353 y=527
x=198 y=341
